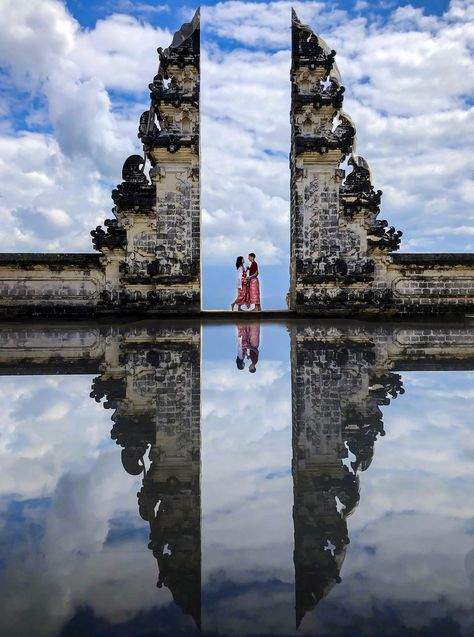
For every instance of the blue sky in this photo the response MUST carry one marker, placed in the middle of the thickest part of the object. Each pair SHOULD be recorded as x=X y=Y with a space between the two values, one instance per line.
x=165 y=13
x=81 y=543
x=73 y=82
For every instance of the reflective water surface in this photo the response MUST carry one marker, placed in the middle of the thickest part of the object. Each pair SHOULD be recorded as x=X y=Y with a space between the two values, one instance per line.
x=309 y=478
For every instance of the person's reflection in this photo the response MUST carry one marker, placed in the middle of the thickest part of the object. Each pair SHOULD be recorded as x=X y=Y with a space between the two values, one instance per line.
x=248 y=346
x=241 y=346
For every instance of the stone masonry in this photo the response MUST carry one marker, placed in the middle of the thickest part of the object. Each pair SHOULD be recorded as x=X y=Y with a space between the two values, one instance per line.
x=336 y=394
x=152 y=248
x=153 y=384
x=149 y=254
x=341 y=377
x=342 y=256
x=149 y=376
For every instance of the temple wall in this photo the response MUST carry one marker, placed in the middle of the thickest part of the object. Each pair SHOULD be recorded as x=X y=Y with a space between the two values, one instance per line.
x=403 y=285
x=157 y=404
x=343 y=259
x=149 y=259
x=342 y=374
x=46 y=284
x=336 y=421
x=393 y=346
x=430 y=284
x=155 y=237
x=176 y=266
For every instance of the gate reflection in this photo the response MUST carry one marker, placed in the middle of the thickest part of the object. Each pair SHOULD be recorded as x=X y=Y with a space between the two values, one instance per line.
x=150 y=376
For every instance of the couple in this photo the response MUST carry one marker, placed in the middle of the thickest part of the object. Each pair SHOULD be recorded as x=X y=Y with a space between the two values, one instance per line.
x=248 y=287
x=248 y=343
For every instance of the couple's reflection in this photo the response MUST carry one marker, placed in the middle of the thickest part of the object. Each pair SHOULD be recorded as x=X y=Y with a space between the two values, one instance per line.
x=341 y=379
x=248 y=346
x=335 y=402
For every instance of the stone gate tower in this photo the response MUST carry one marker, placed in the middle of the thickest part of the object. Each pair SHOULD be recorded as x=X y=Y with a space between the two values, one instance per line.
x=148 y=260
x=343 y=258
x=152 y=247
x=336 y=239
x=339 y=382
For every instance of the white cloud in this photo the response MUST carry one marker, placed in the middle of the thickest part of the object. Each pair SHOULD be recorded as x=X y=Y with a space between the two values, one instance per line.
x=411 y=534
x=129 y=6
x=408 y=80
x=92 y=133
x=60 y=467
x=35 y=177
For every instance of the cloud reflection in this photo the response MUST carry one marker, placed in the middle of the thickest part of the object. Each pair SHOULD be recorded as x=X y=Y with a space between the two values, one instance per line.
x=241 y=507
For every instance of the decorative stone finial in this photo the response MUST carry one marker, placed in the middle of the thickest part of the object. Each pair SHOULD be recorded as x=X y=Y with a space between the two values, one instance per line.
x=335 y=235
x=185 y=32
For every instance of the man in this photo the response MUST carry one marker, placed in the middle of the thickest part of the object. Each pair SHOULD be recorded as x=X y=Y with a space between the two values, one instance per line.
x=254 y=285
x=253 y=342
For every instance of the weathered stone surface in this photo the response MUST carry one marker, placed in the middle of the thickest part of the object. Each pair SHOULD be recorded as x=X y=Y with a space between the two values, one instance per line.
x=160 y=270
x=157 y=407
x=50 y=284
x=341 y=253
x=49 y=260
x=150 y=252
x=149 y=375
x=341 y=377
x=342 y=261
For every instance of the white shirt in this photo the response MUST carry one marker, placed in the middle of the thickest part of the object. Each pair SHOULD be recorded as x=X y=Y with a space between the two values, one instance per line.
x=240 y=272
x=240 y=349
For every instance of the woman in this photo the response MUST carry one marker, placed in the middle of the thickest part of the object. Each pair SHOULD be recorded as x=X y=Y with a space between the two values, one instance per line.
x=242 y=289
x=241 y=346
x=254 y=285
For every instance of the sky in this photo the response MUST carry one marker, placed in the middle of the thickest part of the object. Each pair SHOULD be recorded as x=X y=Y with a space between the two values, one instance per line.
x=71 y=535
x=73 y=82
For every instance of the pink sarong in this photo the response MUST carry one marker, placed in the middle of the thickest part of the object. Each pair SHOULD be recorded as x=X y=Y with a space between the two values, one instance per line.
x=254 y=296
x=242 y=296
x=243 y=333
x=253 y=335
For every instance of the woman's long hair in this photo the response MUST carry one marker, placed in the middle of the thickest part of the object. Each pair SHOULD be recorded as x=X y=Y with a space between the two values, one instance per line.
x=239 y=261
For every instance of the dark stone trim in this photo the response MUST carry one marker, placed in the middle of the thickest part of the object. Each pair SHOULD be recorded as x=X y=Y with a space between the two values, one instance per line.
x=138 y=310
x=319 y=100
x=83 y=260
x=342 y=279
x=434 y=364
x=160 y=95
x=29 y=367
x=432 y=258
x=113 y=238
x=180 y=279
x=171 y=141
x=340 y=140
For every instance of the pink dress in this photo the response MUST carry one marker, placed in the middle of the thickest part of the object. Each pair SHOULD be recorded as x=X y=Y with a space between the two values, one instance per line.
x=243 y=335
x=242 y=288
